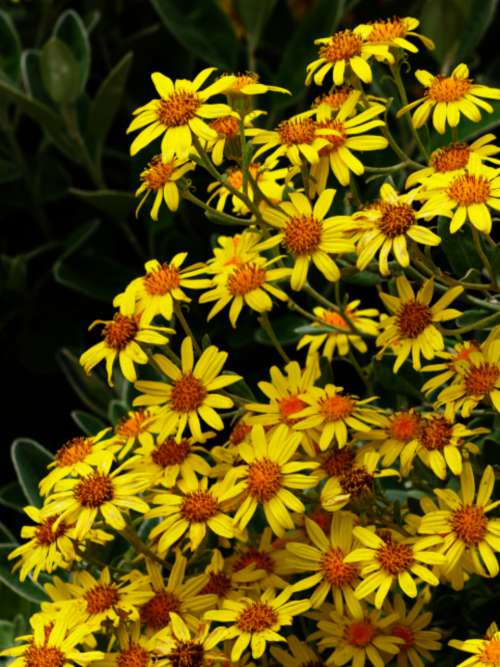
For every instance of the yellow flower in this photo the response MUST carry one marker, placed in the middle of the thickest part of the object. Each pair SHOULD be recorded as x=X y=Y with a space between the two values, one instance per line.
x=325 y=558
x=255 y=622
x=268 y=474
x=185 y=648
x=193 y=509
x=301 y=655
x=161 y=178
x=156 y=292
x=179 y=114
x=327 y=105
x=133 y=648
x=228 y=140
x=188 y=395
x=448 y=369
x=393 y=558
x=226 y=583
x=463 y=528
x=411 y=327
x=122 y=337
x=485 y=652
x=346 y=50
x=308 y=235
x=394 y=32
x=401 y=428
x=249 y=84
x=233 y=251
x=341 y=336
x=448 y=97
x=133 y=428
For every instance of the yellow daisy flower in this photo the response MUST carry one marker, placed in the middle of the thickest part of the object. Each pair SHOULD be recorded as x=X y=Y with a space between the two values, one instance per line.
x=161 y=178
x=463 y=528
x=386 y=225
x=485 y=652
x=268 y=474
x=122 y=337
x=340 y=338
x=346 y=50
x=394 y=32
x=299 y=654
x=411 y=326
x=188 y=394
x=308 y=235
x=255 y=622
x=448 y=97
x=156 y=292
x=228 y=140
x=400 y=429
x=179 y=114
x=194 y=510
x=449 y=367
x=132 y=648
x=233 y=251
x=327 y=105
x=393 y=559
x=186 y=648
x=249 y=84
x=132 y=429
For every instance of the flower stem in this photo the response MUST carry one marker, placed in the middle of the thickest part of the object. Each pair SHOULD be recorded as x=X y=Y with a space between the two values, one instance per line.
x=265 y=323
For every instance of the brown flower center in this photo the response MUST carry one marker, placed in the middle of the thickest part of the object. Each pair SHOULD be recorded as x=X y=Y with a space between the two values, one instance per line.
x=336 y=408
x=44 y=656
x=187 y=654
x=261 y=559
x=396 y=218
x=450 y=158
x=239 y=433
x=156 y=612
x=133 y=656
x=73 y=451
x=302 y=235
x=342 y=46
x=448 y=89
x=264 y=479
x=94 y=490
x=46 y=534
x=227 y=126
x=413 y=319
x=480 y=380
x=162 y=281
x=404 y=426
x=387 y=30
x=405 y=633
x=297 y=131
x=491 y=653
x=199 y=506
x=469 y=189
x=187 y=394
x=243 y=80
x=436 y=433
x=289 y=406
x=178 y=108
x=101 y=597
x=335 y=571
x=170 y=452
x=235 y=178
x=245 y=279
x=360 y=633
x=157 y=173
x=257 y=617
x=357 y=482
x=395 y=558
x=218 y=584
x=339 y=462
x=334 y=140
x=120 y=331
x=469 y=524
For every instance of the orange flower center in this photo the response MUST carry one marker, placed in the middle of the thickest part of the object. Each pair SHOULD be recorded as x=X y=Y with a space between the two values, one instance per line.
x=264 y=479
x=199 y=506
x=450 y=158
x=178 y=108
x=334 y=140
x=336 y=319
x=46 y=534
x=480 y=380
x=448 y=89
x=156 y=612
x=162 y=281
x=469 y=189
x=357 y=482
x=157 y=173
x=170 y=452
x=335 y=571
x=413 y=319
x=262 y=560
x=469 y=524
x=227 y=126
x=436 y=433
x=335 y=99
x=257 y=617
x=404 y=426
x=297 y=131
x=94 y=490
x=339 y=462
x=235 y=178
x=245 y=279
x=73 y=451
x=101 y=597
x=188 y=393
x=360 y=633
x=132 y=425
x=243 y=80
x=218 y=584
x=405 y=633
x=385 y=31
x=491 y=653
x=187 y=654
x=395 y=558
x=44 y=656
x=336 y=408
x=239 y=433
x=289 y=406
x=302 y=235
x=120 y=332
x=133 y=656
x=342 y=46
x=396 y=218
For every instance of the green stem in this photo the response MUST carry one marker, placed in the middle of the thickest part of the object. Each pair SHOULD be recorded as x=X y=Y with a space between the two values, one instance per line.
x=482 y=255
x=265 y=323
x=129 y=534
x=364 y=376
x=225 y=218
x=404 y=99
x=186 y=327
x=94 y=170
x=474 y=326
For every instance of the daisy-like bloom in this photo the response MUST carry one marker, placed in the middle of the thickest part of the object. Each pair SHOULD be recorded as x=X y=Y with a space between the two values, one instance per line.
x=133 y=649
x=330 y=413
x=161 y=178
x=394 y=32
x=233 y=251
x=255 y=622
x=225 y=583
x=268 y=475
x=465 y=195
x=448 y=369
x=411 y=326
x=400 y=429
x=78 y=457
x=386 y=225
x=228 y=141
x=390 y=559
x=123 y=336
x=485 y=652
x=132 y=429
x=250 y=284
x=194 y=510
x=186 y=648
x=308 y=235
x=329 y=104
x=463 y=528
x=179 y=114
x=188 y=394
x=52 y=645
x=299 y=654
x=358 y=638
x=346 y=50
x=410 y=627
x=160 y=288
x=100 y=494
x=249 y=84
x=325 y=558
x=448 y=97
x=341 y=337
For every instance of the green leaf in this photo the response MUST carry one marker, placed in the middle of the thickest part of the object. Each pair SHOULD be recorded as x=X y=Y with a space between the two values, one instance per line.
x=30 y=462
x=458 y=248
x=255 y=15
x=115 y=203
x=443 y=21
x=90 y=424
x=31 y=73
x=71 y=30
x=10 y=48
x=26 y=589
x=471 y=316
x=6 y=634
x=363 y=279
x=106 y=103
x=11 y=496
x=90 y=388
x=116 y=410
x=60 y=72
x=201 y=28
